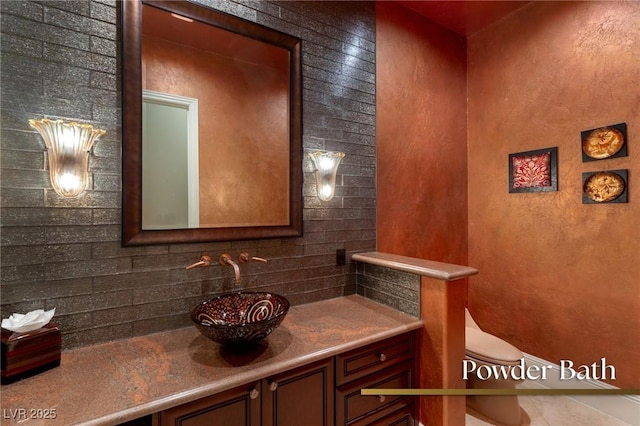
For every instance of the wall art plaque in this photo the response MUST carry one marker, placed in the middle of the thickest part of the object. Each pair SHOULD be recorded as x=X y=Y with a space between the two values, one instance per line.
x=607 y=186
x=534 y=171
x=604 y=142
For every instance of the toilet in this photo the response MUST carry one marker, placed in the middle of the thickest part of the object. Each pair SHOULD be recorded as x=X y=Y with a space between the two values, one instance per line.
x=486 y=349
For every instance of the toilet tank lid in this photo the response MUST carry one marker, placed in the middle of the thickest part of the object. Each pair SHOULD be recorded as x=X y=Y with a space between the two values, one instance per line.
x=488 y=347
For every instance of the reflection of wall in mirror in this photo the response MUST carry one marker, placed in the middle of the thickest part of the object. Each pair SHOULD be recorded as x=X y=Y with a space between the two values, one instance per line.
x=243 y=133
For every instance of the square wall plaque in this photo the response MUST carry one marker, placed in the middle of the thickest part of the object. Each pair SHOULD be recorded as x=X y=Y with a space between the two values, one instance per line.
x=534 y=171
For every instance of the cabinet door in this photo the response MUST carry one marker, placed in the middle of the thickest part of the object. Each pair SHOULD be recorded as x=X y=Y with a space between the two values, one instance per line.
x=303 y=396
x=236 y=407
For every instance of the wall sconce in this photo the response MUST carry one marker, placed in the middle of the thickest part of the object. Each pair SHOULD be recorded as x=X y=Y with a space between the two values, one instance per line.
x=68 y=146
x=326 y=164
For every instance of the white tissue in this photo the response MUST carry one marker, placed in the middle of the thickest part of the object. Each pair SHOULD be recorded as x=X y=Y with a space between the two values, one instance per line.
x=33 y=320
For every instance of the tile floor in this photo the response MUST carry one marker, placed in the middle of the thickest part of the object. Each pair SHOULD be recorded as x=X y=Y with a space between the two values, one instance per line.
x=551 y=411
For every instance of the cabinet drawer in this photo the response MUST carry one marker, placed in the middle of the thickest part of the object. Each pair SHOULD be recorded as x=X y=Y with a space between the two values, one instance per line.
x=369 y=359
x=405 y=416
x=351 y=406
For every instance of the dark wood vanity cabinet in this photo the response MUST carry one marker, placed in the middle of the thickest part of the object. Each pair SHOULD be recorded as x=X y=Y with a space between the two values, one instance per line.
x=324 y=393
x=389 y=364
x=303 y=396
x=236 y=407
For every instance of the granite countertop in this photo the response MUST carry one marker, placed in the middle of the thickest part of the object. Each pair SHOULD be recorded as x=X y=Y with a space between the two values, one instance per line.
x=126 y=379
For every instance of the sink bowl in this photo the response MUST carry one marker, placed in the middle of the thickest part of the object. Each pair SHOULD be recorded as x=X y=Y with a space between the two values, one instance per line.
x=240 y=318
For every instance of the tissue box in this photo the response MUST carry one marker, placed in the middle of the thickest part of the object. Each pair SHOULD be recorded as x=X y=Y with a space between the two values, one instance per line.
x=30 y=353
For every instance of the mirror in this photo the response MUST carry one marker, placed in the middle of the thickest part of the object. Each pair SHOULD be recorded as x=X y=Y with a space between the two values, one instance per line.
x=212 y=133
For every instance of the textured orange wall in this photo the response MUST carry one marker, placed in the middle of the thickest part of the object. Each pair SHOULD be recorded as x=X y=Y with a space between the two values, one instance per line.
x=558 y=278
x=421 y=137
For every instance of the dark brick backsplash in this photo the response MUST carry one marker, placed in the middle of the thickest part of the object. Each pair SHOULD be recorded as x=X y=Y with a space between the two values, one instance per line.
x=398 y=289
x=61 y=59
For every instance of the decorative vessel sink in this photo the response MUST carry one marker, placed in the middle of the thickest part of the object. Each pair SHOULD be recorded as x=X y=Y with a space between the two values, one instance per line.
x=240 y=318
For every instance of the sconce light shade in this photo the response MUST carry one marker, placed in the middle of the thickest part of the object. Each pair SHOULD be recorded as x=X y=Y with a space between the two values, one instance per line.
x=326 y=164
x=68 y=146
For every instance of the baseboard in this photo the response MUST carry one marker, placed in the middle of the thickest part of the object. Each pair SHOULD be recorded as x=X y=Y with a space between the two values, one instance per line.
x=623 y=407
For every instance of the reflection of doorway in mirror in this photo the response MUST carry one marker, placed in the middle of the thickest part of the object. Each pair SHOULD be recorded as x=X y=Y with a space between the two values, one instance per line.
x=170 y=175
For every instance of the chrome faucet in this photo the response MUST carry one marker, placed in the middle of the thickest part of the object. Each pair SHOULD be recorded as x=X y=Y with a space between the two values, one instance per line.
x=225 y=259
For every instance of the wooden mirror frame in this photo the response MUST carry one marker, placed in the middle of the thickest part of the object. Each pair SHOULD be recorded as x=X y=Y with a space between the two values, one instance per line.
x=132 y=232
